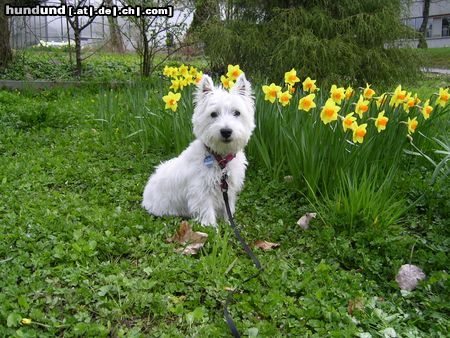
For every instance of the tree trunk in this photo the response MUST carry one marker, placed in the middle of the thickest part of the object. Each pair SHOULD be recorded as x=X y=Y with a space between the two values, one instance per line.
x=5 y=47
x=77 y=38
x=424 y=25
x=115 y=37
x=146 y=62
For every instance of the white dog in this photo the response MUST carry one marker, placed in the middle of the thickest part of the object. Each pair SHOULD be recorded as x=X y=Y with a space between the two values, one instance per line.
x=189 y=185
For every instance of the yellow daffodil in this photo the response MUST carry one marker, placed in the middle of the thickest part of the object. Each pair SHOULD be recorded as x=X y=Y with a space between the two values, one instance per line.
x=167 y=71
x=381 y=121
x=426 y=110
x=409 y=102
x=291 y=89
x=271 y=92
x=171 y=100
x=368 y=92
x=359 y=133
x=309 y=85
x=398 y=97
x=443 y=97
x=412 y=125
x=284 y=98
x=349 y=93
x=226 y=82
x=291 y=78
x=381 y=100
x=337 y=94
x=193 y=71
x=329 y=111
x=176 y=84
x=183 y=70
x=25 y=321
x=349 y=122
x=234 y=72
x=306 y=103
x=184 y=83
x=362 y=106
x=198 y=77
x=170 y=71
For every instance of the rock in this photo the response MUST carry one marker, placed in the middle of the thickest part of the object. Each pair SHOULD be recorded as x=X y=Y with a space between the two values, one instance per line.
x=408 y=276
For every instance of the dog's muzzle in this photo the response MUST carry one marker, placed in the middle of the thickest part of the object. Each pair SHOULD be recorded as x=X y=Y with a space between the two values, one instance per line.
x=226 y=134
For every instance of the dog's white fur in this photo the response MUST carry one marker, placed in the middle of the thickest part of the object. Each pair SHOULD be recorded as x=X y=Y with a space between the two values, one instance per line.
x=185 y=185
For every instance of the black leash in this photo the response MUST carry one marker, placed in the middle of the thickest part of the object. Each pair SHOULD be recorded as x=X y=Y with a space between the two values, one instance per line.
x=230 y=322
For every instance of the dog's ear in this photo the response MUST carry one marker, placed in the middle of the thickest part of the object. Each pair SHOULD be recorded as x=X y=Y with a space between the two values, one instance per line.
x=205 y=87
x=242 y=86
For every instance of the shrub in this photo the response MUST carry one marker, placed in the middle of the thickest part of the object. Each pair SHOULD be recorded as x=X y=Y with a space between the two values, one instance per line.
x=329 y=40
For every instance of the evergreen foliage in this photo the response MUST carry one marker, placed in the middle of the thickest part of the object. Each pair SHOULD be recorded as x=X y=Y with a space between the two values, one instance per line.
x=328 y=40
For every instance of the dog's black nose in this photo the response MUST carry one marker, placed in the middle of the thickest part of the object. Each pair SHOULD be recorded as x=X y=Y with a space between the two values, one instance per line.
x=226 y=132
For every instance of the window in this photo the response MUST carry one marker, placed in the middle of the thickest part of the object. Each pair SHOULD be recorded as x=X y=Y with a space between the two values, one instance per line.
x=445 y=26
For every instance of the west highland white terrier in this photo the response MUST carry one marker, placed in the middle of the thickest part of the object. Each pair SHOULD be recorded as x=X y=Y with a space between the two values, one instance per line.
x=190 y=184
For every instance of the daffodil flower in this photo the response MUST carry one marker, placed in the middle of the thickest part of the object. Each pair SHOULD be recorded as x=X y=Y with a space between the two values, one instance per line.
x=329 y=111
x=368 y=92
x=290 y=77
x=309 y=85
x=412 y=125
x=226 y=82
x=409 y=102
x=381 y=100
x=381 y=121
x=193 y=71
x=234 y=72
x=359 y=132
x=291 y=89
x=284 y=98
x=307 y=103
x=349 y=92
x=271 y=92
x=183 y=70
x=349 y=122
x=398 y=97
x=198 y=77
x=167 y=71
x=337 y=94
x=25 y=321
x=443 y=97
x=171 y=100
x=426 y=110
x=362 y=106
x=176 y=84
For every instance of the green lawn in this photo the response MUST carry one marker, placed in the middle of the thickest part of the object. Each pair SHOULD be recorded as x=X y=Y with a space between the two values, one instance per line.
x=437 y=57
x=79 y=257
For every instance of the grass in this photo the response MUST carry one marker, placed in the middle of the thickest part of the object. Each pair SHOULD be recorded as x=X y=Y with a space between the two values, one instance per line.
x=53 y=64
x=80 y=257
x=436 y=57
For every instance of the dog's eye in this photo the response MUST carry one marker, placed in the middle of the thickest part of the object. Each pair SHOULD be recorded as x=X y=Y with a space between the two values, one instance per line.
x=213 y=114
x=236 y=113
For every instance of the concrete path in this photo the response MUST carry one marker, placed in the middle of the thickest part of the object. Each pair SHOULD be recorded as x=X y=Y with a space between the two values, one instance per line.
x=436 y=70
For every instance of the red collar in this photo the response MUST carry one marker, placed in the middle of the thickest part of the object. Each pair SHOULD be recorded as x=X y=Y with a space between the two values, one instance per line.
x=222 y=161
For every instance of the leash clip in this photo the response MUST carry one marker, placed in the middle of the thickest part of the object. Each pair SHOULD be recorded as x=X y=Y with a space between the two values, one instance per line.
x=223 y=182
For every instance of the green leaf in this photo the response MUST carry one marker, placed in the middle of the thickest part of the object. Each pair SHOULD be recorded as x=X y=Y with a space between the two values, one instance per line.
x=13 y=319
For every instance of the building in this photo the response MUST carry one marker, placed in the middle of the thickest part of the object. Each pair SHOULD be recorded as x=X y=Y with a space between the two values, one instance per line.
x=438 y=30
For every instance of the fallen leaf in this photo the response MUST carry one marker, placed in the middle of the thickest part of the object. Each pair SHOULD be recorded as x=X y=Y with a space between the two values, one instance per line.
x=264 y=245
x=191 y=249
x=185 y=235
x=354 y=304
x=305 y=219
